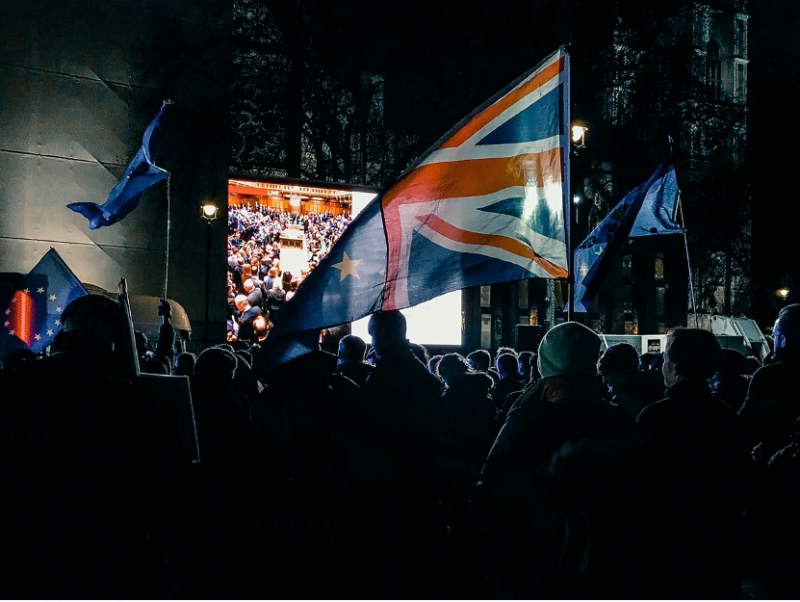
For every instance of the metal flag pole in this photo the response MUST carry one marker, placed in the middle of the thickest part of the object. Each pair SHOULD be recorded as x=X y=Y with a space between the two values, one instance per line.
x=568 y=200
x=688 y=262
x=128 y=346
x=166 y=252
x=169 y=218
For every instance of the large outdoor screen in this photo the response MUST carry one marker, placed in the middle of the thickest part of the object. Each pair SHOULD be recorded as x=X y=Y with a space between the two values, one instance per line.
x=281 y=230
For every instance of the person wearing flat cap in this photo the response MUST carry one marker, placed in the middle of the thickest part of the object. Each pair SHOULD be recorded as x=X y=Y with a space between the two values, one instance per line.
x=562 y=464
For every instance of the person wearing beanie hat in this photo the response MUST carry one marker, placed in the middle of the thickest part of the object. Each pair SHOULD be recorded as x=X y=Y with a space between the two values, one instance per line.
x=564 y=461
x=569 y=348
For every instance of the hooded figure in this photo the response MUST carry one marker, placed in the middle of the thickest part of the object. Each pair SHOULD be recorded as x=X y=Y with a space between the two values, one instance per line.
x=558 y=479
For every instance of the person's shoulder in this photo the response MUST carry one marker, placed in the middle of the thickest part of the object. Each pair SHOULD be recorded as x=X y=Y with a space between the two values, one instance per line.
x=478 y=381
x=785 y=368
x=652 y=411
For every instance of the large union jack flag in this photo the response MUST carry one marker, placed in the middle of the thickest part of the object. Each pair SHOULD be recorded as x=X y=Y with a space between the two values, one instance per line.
x=487 y=203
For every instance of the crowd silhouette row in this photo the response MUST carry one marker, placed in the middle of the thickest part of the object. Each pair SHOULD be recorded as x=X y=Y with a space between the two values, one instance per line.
x=380 y=472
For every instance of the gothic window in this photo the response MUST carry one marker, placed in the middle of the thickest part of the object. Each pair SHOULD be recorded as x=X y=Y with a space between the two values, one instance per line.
x=741 y=80
x=741 y=37
x=714 y=72
x=627 y=267
x=659 y=267
x=660 y=300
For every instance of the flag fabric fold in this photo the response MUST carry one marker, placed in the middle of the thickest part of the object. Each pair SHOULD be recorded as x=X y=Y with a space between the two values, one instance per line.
x=647 y=210
x=124 y=197
x=33 y=316
x=487 y=203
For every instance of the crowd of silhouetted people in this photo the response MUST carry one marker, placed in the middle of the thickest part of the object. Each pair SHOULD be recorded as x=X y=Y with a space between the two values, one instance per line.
x=375 y=470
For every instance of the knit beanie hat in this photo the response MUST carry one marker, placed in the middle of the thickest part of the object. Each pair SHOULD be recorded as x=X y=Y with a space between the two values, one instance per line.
x=569 y=348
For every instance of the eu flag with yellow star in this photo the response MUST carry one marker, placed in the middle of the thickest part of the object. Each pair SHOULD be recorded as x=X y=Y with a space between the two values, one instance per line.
x=33 y=315
x=347 y=284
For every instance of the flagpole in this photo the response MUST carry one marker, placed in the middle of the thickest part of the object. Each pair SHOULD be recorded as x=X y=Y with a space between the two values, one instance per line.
x=568 y=199
x=688 y=262
x=169 y=219
x=166 y=253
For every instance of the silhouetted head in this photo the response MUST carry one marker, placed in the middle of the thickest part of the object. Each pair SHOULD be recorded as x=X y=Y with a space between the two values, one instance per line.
x=501 y=350
x=184 y=364
x=524 y=366
x=785 y=332
x=351 y=349
x=387 y=328
x=732 y=363
x=479 y=360
x=215 y=366
x=690 y=353
x=451 y=366
x=90 y=322
x=506 y=365
x=617 y=362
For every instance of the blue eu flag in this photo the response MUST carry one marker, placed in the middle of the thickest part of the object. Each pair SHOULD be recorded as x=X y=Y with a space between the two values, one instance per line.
x=33 y=316
x=646 y=210
x=138 y=177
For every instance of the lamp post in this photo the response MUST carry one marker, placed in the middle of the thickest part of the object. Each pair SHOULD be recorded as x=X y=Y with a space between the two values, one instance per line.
x=579 y=134
x=576 y=201
x=209 y=213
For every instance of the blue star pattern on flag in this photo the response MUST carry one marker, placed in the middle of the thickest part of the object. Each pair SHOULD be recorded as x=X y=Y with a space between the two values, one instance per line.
x=140 y=174
x=485 y=204
x=33 y=315
x=645 y=211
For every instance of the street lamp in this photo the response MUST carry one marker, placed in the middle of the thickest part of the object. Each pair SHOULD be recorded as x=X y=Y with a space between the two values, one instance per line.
x=209 y=213
x=782 y=292
x=579 y=134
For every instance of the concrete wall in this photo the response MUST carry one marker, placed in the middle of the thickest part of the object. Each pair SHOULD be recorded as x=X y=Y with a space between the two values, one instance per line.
x=79 y=82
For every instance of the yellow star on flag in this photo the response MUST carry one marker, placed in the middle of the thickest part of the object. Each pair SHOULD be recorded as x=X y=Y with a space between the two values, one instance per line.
x=347 y=267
